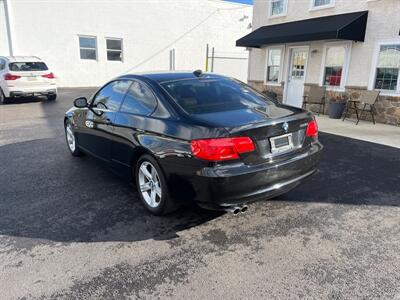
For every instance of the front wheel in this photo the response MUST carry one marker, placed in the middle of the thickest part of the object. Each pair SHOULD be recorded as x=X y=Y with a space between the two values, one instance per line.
x=71 y=140
x=152 y=186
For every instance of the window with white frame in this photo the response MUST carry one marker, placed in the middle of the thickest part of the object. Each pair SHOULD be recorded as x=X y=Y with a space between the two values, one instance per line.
x=277 y=8
x=387 y=73
x=322 y=3
x=273 y=68
x=335 y=60
x=88 y=47
x=114 y=49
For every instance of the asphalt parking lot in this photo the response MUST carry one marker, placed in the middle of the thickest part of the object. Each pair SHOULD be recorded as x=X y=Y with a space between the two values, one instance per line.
x=69 y=228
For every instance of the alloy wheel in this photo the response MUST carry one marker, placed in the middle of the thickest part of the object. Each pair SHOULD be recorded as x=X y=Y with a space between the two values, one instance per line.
x=70 y=137
x=150 y=184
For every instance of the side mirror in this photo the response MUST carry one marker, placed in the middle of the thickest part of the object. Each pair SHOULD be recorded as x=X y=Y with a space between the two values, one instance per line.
x=81 y=102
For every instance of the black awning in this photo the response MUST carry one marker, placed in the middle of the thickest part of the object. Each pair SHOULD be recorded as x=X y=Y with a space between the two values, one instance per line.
x=349 y=26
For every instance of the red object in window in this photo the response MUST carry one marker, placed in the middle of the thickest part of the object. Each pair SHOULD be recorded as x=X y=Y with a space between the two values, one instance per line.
x=222 y=148
x=312 y=129
x=335 y=78
x=9 y=76
x=49 y=76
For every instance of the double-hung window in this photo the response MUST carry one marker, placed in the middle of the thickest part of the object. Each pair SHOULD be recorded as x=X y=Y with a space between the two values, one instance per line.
x=336 y=58
x=88 y=47
x=277 y=8
x=273 y=65
x=387 y=73
x=114 y=49
x=319 y=4
x=334 y=64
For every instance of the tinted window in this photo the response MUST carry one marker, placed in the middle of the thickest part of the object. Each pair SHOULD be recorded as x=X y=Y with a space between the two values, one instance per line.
x=139 y=99
x=28 y=66
x=111 y=96
x=2 y=64
x=208 y=95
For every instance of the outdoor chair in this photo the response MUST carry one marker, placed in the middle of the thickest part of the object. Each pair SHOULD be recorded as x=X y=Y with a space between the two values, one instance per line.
x=365 y=104
x=314 y=95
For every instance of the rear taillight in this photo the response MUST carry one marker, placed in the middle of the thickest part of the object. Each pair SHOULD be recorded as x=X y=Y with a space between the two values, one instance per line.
x=49 y=76
x=9 y=76
x=221 y=149
x=312 y=129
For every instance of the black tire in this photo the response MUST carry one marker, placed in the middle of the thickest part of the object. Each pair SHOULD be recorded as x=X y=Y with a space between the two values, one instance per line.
x=165 y=203
x=75 y=151
x=3 y=99
x=52 y=97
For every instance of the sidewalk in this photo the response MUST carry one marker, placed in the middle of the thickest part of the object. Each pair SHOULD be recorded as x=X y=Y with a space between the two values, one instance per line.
x=380 y=133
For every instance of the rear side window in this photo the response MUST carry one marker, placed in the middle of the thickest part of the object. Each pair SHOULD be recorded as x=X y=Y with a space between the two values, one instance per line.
x=139 y=99
x=28 y=66
x=209 y=95
x=111 y=96
x=2 y=64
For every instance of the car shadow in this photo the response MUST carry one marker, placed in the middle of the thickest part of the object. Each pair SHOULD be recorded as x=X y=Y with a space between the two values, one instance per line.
x=25 y=100
x=352 y=172
x=47 y=194
x=54 y=196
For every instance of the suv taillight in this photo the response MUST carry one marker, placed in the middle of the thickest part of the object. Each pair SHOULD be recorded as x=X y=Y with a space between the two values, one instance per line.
x=49 y=76
x=312 y=129
x=222 y=148
x=9 y=76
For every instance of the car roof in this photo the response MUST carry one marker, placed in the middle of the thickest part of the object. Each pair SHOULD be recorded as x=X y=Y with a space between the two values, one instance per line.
x=164 y=76
x=12 y=59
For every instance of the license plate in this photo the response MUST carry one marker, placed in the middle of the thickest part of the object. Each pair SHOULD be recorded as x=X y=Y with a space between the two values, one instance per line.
x=281 y=143
x=32 y=78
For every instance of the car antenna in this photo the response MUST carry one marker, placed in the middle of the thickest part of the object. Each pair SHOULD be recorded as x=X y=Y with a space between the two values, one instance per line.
x=197 y=73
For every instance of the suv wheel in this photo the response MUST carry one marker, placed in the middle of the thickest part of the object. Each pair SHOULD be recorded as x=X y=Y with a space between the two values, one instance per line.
x=52 y=97
x=3 y=99
x=152 y=186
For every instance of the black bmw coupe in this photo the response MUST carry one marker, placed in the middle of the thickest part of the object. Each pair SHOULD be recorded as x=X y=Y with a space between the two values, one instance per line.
x=199 y=137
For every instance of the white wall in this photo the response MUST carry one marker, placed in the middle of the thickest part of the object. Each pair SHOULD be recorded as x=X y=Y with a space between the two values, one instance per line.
x=383 y=24
x=149 y=29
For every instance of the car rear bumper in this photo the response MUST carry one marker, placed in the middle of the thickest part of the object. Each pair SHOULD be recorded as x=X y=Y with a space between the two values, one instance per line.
x=31 y=91
x=226 y=186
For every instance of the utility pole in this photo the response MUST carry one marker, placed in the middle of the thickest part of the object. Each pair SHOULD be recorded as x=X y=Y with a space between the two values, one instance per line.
x=207 y=50
x=8 y=27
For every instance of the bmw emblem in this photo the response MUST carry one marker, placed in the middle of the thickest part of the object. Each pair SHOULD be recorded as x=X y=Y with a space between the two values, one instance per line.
x=285 y=126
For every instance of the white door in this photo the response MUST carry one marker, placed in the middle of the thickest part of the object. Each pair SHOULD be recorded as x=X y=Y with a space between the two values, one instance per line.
x=296 y=77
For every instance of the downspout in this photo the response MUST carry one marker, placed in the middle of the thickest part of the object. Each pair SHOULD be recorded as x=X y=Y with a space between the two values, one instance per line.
x=8 y=27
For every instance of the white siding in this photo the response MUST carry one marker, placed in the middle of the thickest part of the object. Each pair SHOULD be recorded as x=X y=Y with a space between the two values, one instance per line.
x=50 y=29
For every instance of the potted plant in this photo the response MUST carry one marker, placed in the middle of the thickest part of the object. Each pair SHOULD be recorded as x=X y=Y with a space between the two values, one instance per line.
x=337 y=104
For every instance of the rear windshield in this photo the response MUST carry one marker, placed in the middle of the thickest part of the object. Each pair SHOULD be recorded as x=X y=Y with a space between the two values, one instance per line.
x=28 y=66
x=209 y=95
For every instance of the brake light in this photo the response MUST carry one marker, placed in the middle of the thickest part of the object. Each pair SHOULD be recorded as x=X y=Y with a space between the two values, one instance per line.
x=221 y=149
x=49 y=76
x=9 y=76
x=312 y=129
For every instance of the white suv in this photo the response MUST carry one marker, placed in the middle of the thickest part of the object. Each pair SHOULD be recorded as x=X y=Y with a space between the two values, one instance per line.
x=25 y=76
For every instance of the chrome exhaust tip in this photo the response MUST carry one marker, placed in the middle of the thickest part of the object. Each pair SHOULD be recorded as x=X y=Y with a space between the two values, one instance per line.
x=235 y=210
x=244 y=208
